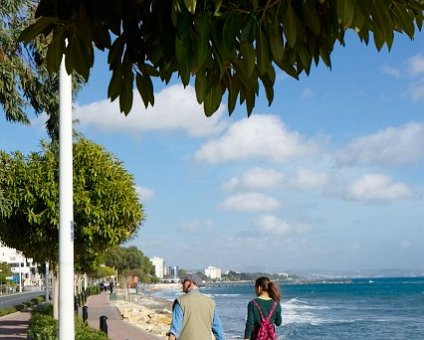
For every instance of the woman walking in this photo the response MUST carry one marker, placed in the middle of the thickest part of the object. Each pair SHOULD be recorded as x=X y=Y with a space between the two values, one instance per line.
x=263 y=312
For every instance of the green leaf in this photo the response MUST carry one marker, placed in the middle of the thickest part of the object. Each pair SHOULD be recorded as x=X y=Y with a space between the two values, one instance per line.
x=248 y=29
x=277 y=47
x=145 y=88
x=212 y=100
x=55 y=51
x=203 y=26
x=269 y=88
x=201 y=86
x=191 y=5
x=262 y=51
x=230 y=31
x=77 y=57
x=233 y=92
x=345 y=12
x=288 y=68
x=311 y=18
x=404 y=20
x=116 y=51
x=40 y=26
x=290 y=26
x=249 y=56
x=115 y=84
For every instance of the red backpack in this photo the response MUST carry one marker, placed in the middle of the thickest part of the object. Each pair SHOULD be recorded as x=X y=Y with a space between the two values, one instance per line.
x=266 y=330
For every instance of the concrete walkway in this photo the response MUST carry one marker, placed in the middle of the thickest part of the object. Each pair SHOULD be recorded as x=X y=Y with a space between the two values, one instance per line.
x=14 y=326
x=118 y=329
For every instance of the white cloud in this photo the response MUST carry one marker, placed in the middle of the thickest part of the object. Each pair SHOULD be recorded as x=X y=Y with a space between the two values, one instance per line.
x=254 y=179
x=394 y=145
x=307 y=93
x=196 y=226
x=259 y=137
x=145 y=194
x=416 y=65
x=391 y=71
x=270 y=224
x=175 y=109
x=249 y=202
x=378 y=188
x=306 y=179
x=416 y=91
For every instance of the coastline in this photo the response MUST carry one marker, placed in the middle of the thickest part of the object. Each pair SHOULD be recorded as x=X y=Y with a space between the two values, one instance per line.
x=149 y=312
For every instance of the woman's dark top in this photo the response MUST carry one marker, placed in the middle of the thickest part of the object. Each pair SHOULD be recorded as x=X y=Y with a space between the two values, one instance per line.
x=254 y=318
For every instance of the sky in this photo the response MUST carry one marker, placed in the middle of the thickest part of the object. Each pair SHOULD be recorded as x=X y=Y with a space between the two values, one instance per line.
x=329 y=177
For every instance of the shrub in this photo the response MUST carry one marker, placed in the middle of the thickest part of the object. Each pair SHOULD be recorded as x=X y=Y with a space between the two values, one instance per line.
x=93 y=290
x=44 y=327
x=35 y=301
x=7 y=310
x=20 y=307
x=84 y=332
x=45 y=308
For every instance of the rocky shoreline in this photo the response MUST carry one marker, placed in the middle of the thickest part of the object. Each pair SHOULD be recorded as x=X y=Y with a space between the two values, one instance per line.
x=150 y=313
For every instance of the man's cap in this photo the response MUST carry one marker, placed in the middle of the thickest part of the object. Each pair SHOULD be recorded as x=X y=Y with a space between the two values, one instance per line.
x=193 y=278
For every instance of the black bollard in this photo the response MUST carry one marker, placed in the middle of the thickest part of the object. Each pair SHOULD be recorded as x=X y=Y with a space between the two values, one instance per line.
x=84 y=313
x=103 y=324
x=75 y=305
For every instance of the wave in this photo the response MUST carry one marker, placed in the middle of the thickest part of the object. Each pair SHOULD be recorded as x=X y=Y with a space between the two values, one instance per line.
x=301 y=311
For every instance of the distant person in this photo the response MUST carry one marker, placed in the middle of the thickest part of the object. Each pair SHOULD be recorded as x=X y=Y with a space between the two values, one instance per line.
x=266 y=305
x=193 y=314
x=111 y=286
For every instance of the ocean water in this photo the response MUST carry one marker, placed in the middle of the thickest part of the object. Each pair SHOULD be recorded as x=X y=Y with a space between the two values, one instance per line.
x=372 y=309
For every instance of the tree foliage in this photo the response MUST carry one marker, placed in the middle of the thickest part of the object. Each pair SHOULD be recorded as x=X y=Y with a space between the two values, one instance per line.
x=228 y=47
x=5 y=271
x=130 y=260
x=25 y=83
x=107 y=211
x=5 y=206
x=102 y=271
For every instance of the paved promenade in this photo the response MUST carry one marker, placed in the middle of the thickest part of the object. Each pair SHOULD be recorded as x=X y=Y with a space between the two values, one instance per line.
x=118 y=329
x=14 y=326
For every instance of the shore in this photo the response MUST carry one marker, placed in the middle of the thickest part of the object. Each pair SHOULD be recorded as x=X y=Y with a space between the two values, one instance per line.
x=150 y=313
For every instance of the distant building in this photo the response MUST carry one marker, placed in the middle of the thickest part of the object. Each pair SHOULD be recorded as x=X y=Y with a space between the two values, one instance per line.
x=24 y=269
x=159 y=264
x=213 y=272
x=173 y=272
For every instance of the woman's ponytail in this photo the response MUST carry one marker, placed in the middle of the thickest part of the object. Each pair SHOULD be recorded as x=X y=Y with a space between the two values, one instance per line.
x=274 y=292
x=270 y=287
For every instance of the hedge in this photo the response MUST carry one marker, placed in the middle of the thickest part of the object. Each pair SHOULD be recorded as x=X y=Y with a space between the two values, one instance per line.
x=45 y=327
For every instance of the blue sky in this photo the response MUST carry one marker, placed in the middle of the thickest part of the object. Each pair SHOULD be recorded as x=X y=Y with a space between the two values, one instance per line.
x=330 y=177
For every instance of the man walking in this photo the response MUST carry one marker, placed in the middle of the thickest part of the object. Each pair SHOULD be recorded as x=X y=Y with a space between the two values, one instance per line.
x=193 y=314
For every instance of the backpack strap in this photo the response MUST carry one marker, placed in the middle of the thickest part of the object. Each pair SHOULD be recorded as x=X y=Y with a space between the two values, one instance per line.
x=272 y=309
x=260 y=311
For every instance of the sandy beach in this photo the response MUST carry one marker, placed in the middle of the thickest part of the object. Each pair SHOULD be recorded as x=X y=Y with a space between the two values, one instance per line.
x=151 y=313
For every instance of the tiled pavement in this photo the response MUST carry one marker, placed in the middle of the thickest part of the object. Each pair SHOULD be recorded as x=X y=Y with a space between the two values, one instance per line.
x=14 y=326
x=118 y=329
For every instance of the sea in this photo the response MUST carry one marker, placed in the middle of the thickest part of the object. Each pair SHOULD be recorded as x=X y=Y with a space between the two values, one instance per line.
x=372 y=309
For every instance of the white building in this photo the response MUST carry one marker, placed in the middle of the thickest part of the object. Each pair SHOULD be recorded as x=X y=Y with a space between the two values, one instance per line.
x=213 y=272
x=173 y=272
x=159 y=265
x=24 y=270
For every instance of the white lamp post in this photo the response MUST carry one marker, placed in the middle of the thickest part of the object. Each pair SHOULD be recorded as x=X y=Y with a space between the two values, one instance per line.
x=66 y=218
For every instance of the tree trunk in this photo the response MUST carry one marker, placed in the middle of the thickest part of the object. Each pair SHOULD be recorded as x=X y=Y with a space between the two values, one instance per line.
x=55 y=290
